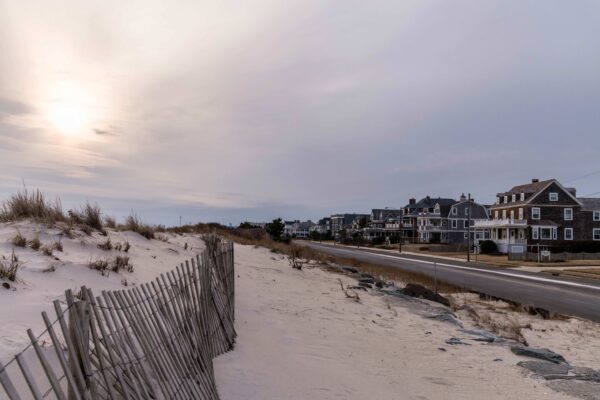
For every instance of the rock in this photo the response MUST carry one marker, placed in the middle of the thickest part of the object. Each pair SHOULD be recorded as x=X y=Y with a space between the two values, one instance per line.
x=585 y=371
x=366 y=280
x=365 y=285
x=357 y=288
x=483 y=336
x=379 y=284
x=441 y=349
x=350 y=269
x=365 y=275
x=497 y=359
x=544 y=367
x=445 y=318
x=422 y=292
x=454 y=341
x=428 y=333
x=542 y=354
x=6 y=285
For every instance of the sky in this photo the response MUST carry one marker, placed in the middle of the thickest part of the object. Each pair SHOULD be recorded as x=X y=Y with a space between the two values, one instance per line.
x=236 y=110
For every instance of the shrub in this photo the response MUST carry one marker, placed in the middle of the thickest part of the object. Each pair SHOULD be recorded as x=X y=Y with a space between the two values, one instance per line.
x=58 y=246
x=89 y=216
x=106 y=245
x=35 y=243
x=8 y=270
x=134 y=224
x=126 y=246
x=488 y=247
x=99 y=265
x=110 y=222
x=33 y=205
x=122 y=262
x=379 y=240
x=19 y=240
x=47 y=250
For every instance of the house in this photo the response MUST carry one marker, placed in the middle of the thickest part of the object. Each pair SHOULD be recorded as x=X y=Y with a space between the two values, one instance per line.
x=301 y=230
x=288 y=228
x=444 y=220
x=383 y=222
x=323 y=227
x=340 y=222
x=544 y=213
x=459 y=217
x=408 y=220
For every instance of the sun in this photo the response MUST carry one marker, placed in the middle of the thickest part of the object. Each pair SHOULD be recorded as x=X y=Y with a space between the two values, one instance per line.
x=69 y=119
x=69 y=110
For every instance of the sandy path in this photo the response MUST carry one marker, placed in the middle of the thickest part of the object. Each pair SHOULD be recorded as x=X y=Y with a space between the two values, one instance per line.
x=300 y=338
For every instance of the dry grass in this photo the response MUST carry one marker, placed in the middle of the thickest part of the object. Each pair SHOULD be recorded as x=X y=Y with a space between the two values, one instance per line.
x=34 y=205
x=19 y=240
x=58 y=246
x=35 y=243
x=122 y=262
x=89 y=215
x=110 y=222
x=586 y=273
x=106 y=245
x=9 y=268
x=47 y=250
x=134 y=224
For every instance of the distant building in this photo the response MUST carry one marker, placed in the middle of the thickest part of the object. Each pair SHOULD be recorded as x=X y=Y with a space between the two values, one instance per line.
x=341 y=222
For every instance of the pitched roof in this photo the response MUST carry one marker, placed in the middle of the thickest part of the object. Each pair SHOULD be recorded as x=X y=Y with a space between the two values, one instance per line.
x=590 y=203
x=532 y=187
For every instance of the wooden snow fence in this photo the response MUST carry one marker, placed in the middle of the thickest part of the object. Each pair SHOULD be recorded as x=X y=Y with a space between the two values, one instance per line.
x=151 y=341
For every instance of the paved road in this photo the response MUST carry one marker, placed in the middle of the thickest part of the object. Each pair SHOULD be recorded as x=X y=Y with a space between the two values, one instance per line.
x=575 y=297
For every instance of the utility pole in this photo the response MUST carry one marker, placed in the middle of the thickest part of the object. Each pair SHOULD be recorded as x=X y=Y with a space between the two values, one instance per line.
x=469 y=231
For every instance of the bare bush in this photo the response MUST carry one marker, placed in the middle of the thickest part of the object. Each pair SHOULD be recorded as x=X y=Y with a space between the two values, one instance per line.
x=351 y=294
x=98 y=265
x=134 y=224
x=106 y=245
x=58 y=246
x=122 y=262
x=8 y=269
x=47 y=250
x=35 y=243
x=89 y=215
x=110 y=222
x=162 y=238
x=295 y=258
x=19 y=240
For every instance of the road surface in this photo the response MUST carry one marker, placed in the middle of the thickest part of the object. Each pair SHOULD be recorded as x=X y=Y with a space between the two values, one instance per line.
x=576 y=297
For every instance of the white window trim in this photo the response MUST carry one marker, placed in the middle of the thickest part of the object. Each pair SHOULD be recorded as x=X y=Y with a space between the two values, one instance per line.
x=503 y=214
x=596 y=215
x=514 y=198
x=535 y=233
x=571 y=214
x=594 y=233
x=553 y=196
x=496 y=214
x=521 y=213
x=454 y=211
x=454 y=224
x=465 y=226
x=539 y=213
x=569 y=237
x=522 y=196
x=505 y=199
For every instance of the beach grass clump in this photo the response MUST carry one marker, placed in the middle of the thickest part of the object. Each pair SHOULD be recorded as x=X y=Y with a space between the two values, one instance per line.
x=31 y=204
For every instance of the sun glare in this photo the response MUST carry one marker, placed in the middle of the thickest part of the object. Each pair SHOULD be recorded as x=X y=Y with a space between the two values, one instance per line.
x=69 y=110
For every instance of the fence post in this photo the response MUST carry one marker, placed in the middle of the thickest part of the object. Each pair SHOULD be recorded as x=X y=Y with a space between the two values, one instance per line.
x=79 y=325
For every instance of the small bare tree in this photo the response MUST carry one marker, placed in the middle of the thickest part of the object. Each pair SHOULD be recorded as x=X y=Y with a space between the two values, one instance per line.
x=295 y=258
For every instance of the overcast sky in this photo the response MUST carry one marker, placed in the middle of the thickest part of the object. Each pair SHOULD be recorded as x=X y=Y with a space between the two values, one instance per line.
x=248 y=110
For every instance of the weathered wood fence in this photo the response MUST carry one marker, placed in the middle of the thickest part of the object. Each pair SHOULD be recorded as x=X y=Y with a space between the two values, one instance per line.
x=152 y=341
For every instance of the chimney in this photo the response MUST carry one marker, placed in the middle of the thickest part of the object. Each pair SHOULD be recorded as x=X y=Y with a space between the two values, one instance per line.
x=412 y=201
x=463 y=197
x=535 y=180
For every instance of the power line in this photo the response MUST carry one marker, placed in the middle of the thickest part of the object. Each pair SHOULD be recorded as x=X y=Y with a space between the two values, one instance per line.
x=583 y=176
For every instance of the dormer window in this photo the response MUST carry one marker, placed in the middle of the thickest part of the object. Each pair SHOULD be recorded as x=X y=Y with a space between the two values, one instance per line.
x=514 y=198
x=497 y=199
x=553 y=196
x=522 y=196
x=454 y=211
x=505 y=199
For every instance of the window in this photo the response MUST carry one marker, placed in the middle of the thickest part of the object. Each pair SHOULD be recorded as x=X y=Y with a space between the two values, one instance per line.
x=535 y=213
x=512 y=215
x=505 y=199
x=497 y=199
x=466 y=236
x=554 y=233
x=503 y=214
x=454 y=210
x=568 y=214
x=553 y=196
x=522 y=196
x=466 y=210
x=465 y=224
x=535 y=233
x=596 y=234
x=454 y=224
x=546 y=233
x=496 y=214
x=520 y=213
x=568 y=233
x=514 y=198
x=596 y=215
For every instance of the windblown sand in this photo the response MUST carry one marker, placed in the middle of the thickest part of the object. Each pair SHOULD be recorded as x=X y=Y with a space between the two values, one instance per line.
x=299 y=337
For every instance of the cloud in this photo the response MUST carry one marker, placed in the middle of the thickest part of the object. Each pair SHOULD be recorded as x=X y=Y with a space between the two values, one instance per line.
x=298 y=108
